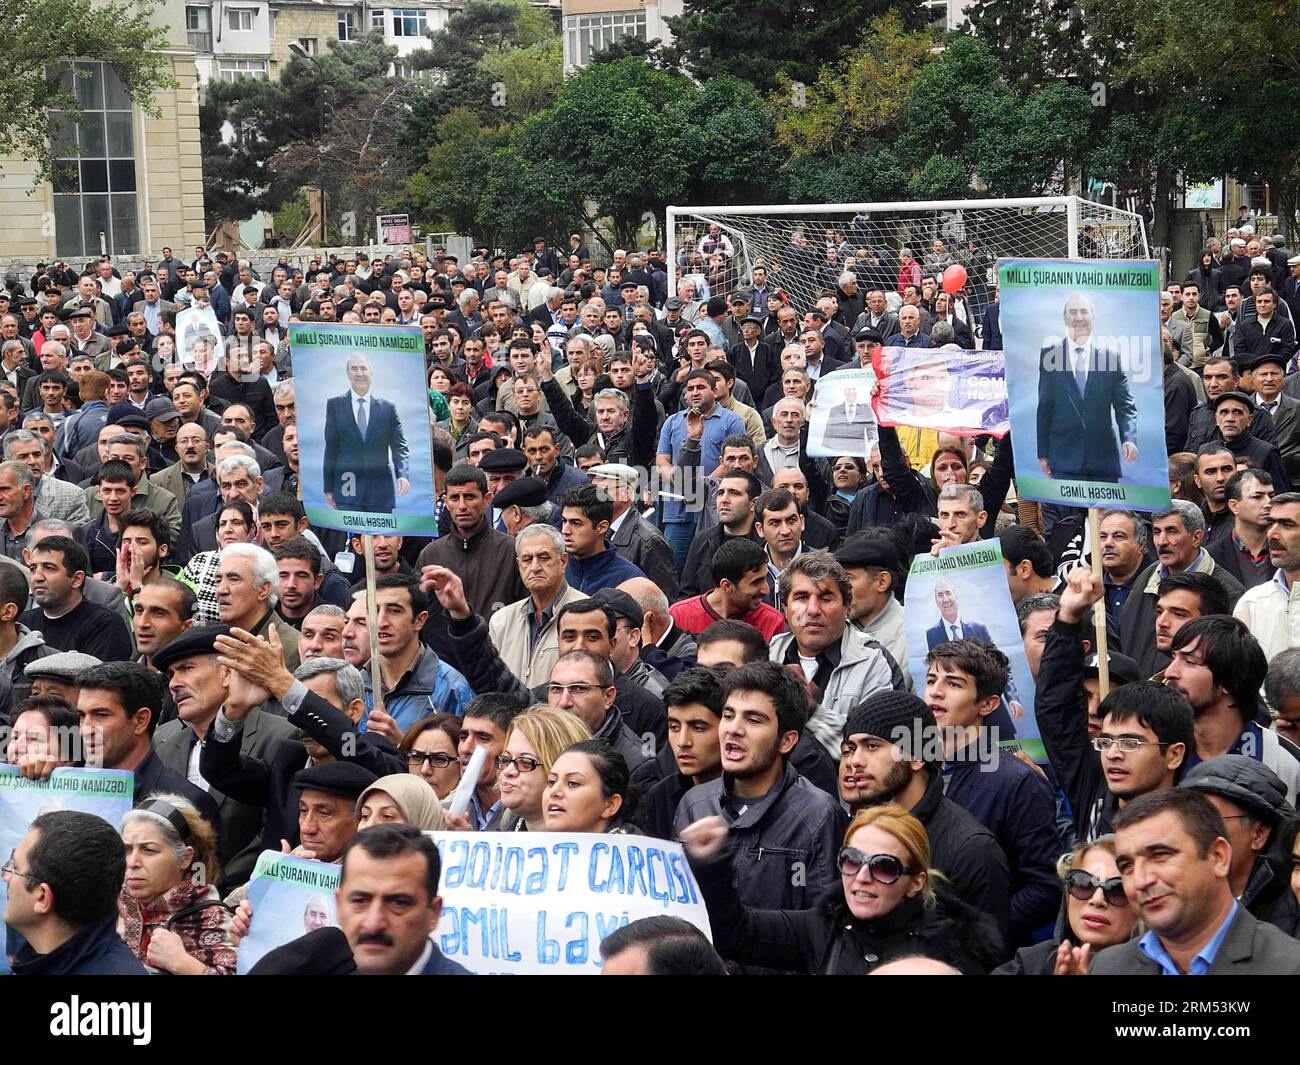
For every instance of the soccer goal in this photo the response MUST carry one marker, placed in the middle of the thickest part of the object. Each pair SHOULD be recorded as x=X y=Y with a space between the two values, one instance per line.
x=806 y=247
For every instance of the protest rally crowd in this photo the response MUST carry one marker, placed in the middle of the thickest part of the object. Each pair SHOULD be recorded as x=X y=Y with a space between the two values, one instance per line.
x=655 y=611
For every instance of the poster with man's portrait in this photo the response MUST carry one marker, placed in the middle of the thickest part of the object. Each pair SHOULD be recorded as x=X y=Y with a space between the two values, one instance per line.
x=363 y=428
x=842 y=421
x=962 y=594
x=951 y=390
x=198 y=338
x=1081 y=340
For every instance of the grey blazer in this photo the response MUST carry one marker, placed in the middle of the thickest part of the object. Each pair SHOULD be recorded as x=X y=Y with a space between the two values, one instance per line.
x=1251 y=948
x=241 y=823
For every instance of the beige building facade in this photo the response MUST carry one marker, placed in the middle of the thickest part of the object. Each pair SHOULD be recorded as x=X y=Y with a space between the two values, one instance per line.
x=133 y=182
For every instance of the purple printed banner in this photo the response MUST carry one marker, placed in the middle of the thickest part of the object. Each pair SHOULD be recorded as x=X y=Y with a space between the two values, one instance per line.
x=947 y=389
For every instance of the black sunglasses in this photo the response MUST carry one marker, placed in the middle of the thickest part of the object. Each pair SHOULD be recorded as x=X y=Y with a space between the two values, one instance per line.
x=1083 y=885
x=884 y=868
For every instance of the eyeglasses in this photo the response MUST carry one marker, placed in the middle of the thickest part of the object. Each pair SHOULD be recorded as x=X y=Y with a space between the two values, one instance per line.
x=11 y=869
x=1082 y=885
x=556 y=691
x=434 y=758
x=1128 y=744
x=523 y=763
x=884 y=868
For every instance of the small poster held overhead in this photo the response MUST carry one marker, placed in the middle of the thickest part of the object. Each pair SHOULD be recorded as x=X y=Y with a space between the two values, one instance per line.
x=1082 y=345
x=951 y=390
x=842 y=421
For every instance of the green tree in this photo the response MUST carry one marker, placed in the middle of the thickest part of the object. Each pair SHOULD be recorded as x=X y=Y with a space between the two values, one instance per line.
x=343 y=138
x=40 y=33
x=760 y=40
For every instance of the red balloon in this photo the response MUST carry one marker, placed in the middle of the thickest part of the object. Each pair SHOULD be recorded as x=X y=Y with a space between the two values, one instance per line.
x=954 y=278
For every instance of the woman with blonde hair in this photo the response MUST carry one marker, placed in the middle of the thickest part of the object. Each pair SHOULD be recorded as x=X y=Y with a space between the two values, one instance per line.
x=534 y=742
x=169 y=912
x=889 y=905
x=1095 y=912
x=402 y=799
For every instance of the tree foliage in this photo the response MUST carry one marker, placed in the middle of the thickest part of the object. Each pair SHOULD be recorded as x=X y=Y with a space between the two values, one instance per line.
x=40 y=33
x=763 y=40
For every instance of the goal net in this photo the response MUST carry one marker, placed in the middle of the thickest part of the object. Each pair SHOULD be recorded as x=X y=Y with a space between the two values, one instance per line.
x=806 y=248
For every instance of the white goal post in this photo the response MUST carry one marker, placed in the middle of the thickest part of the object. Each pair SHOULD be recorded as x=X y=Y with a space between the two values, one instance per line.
x=805 y=247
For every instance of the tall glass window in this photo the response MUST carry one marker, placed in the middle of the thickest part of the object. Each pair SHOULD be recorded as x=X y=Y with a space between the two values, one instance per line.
x=95 y=202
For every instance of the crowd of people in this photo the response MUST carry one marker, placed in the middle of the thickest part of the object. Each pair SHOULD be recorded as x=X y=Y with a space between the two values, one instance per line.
x=655 y=611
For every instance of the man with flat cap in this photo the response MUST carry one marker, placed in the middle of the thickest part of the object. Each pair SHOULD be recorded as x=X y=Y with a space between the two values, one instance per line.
x=56 y=674
x=327 y=807
x=875 y=569
x=1252 y=800
x=197 y=683
x=324 y=697
x=85 y=341
x=634 y=538
x=626 y=653
x=521 y=503
x=501 y=466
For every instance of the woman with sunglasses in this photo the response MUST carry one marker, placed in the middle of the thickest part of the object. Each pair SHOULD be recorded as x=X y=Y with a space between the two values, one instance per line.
x=1094 y=911
x=534 y=742
x=888 y=905
x=430 y=749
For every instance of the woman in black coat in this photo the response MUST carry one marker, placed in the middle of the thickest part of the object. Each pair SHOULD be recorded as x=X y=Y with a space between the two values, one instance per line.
x=889 y=906
x=1094 y=910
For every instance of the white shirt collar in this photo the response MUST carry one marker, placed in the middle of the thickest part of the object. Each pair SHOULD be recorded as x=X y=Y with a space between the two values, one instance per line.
x=422 y=960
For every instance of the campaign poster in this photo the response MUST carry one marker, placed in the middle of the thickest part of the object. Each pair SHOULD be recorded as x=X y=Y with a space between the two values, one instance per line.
x=541 y=902
x=290 y=897
x=842 y=421
x=393 y=228
x=106 y=793
x=198 y=336
x=947 y=389
x=962 y=593
x=363 y=423
x=1086 y=381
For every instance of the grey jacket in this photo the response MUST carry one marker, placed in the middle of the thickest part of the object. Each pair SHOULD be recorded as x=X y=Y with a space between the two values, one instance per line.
x=784 y=843
x=864 y=667
x=645 y=547
x=62 y=500
x=1251 y=948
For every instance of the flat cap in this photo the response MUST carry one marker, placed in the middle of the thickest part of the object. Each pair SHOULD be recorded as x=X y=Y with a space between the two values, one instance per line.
x=615 y=471
x=63 y=665
x=1122 y=669
x=1243 y=781
x=196 y=640
x=525 y=492
x=621 y=604
x=163 y=410
x=882 y=554
x=1240 y=397
x=131 y=420
x=503 y=460
x=335 y=778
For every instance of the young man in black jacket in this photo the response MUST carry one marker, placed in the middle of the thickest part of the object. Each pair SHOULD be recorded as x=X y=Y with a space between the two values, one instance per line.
x=892 y=752
x=1153 y=720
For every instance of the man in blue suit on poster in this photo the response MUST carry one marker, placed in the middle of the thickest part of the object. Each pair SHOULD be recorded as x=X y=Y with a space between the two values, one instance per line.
x=952 y=626
x=365 y=449
x=1083 y=402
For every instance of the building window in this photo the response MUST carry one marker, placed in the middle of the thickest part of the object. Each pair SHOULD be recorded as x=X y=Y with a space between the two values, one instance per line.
x=377 y=20
x=232 y=69
x=409 y=23
x=348 y=25
x=308 y=44
x=95 y=203
x=591 y=33
x=198 y=27
x=938 y=12
x=240 y=19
